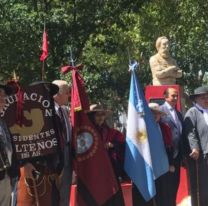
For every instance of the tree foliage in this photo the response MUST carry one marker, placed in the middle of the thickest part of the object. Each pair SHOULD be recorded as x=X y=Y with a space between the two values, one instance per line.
x=185 y=24
x=103 y=35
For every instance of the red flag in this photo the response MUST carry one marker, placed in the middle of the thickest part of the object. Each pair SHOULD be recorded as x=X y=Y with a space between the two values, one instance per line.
x=96 y=182
x=44 y=47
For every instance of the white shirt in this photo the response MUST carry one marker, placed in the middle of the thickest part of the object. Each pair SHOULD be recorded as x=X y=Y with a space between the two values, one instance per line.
x=174 y=116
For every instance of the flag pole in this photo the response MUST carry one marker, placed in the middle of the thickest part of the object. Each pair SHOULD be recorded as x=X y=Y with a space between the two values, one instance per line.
x=43 y=71
x=197 y=183
x=128 y=53
x=71 y=60
x=43 y=62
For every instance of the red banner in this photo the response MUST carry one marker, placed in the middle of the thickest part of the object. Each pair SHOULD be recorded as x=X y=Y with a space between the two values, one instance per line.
x=96 y=180
x=44 y=54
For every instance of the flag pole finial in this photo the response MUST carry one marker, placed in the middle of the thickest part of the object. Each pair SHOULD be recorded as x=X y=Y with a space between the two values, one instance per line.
x=134 y=65
x=71 y=60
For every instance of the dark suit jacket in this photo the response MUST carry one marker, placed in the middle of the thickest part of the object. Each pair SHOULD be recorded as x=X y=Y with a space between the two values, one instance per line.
x=66 y=156
x=12 y=171
x=167 y=139
x=175 y=130
x=196 y=131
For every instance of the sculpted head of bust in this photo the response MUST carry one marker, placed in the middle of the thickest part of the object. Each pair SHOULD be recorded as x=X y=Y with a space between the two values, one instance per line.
x=164 y=68
x=162 y=46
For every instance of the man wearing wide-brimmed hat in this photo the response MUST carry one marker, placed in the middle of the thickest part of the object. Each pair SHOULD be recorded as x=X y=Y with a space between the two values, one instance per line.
x=8 y=168
x=113 y=139
x=114 y=143
x=196 y=146
x=98 y=114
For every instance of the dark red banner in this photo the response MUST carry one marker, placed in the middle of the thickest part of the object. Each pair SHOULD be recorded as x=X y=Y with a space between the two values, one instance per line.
x=36 y=135
x=96 y=183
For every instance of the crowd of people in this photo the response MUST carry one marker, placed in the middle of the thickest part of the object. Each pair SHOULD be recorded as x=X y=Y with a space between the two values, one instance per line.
x=46 y=180
x=185 y=139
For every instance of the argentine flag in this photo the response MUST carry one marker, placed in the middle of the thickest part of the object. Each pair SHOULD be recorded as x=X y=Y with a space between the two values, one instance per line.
x=145 y=155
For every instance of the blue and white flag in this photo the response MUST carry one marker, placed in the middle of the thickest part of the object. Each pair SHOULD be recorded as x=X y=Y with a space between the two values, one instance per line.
x=145 y=155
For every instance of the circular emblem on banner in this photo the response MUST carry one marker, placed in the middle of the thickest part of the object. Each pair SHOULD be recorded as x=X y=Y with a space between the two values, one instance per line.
x=84 y=142
x=87 y=143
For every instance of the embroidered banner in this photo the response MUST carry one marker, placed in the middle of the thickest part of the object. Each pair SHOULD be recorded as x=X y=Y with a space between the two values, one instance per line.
x=36 y=135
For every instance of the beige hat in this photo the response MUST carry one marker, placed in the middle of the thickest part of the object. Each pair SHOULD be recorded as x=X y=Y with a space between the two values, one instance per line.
x=98 y=108
x=156 y=107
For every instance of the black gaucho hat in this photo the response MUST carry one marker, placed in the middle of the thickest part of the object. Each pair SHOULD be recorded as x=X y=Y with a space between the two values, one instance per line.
x=52 y=88
x=8 y=89
x=199 y=91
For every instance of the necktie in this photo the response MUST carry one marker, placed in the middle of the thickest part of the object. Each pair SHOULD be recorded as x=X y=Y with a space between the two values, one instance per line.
x=176 y=120
x=175 y=117
x=62 y=125
x=63 y=139
x=176 y=137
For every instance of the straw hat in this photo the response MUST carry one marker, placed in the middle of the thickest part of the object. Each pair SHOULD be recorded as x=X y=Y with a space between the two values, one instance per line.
x=156 y=108
x=98 y=108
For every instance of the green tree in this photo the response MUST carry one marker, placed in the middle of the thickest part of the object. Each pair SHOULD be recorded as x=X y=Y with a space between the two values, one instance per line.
x=103 y=36
x=98 y=31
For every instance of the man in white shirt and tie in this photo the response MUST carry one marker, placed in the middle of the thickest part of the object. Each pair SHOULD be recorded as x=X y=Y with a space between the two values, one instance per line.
x=175 y=120
x=61 y=100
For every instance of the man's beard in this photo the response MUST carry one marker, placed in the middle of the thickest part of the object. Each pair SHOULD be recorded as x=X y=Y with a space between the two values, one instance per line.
x=165 y=54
